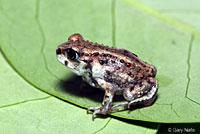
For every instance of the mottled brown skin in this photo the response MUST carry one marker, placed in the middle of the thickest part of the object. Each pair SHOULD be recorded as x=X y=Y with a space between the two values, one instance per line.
x=123 y=73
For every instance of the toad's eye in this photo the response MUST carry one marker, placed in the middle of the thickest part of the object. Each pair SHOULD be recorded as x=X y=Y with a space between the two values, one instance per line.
x=71 y=54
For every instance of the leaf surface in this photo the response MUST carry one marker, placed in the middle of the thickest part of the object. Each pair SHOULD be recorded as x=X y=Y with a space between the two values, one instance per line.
x=187 y=13
x=31 y=31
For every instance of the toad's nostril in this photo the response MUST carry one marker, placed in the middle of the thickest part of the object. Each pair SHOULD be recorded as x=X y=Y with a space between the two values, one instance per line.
x=58 y=51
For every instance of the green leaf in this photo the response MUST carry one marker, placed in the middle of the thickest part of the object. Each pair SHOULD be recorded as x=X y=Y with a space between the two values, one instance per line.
x=24 y=109
x=31 y=31
x=186 y=13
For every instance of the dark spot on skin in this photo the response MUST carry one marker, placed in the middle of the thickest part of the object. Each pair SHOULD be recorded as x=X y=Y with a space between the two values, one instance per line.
x=136 y=78
x=106 y=61
x=95 y=54
x=118 y=68
x=58 y=51
x=147 y=79
x=108 y=79
x=136 y=83
x=143 y=65
x=124 y=51
x=88 y=66
x=114 y=51
x=129 y=73
x=147 y=70
x=85 y=61
x=108 y=72
x=149 y=75
x=112 y=61
x=114 y=57
x=88 y=61
x=138 y=69
x=104 y=55
x=101 y=62
x=128 y=64
x=86 y=54
x=152 y=71
x=66 y=63
x=93 y=80
x=140 y=85
x=131 y=88
x=140 y=75
x=125 y=54
x=122 y=61
x=136 y=60
x=81 y=54
x=109 y=55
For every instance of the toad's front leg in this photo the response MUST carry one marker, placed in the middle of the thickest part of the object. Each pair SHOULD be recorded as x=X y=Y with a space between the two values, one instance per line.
x=106 y=106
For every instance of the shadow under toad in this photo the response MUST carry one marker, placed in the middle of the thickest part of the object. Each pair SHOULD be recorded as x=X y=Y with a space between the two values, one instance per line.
x=76 y=86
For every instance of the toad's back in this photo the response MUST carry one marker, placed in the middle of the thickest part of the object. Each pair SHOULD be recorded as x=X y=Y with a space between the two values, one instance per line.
x=118 y=64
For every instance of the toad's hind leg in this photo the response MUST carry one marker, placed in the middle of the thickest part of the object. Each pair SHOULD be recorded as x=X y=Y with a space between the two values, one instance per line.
x=142 y=93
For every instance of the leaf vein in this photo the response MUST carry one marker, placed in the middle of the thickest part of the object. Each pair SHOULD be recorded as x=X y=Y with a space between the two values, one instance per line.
x=171 y=106
x=25 y=101
x=102 y=127
x=37 y=13
x=143 y=114
x=189 y=68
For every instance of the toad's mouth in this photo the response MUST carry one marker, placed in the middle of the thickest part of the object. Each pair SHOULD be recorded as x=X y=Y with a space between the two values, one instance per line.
x=64 y=61
x=61 y=58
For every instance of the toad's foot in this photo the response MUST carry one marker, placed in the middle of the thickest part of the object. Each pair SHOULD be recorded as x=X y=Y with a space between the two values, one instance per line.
x=97 y=110
x=100 y=110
